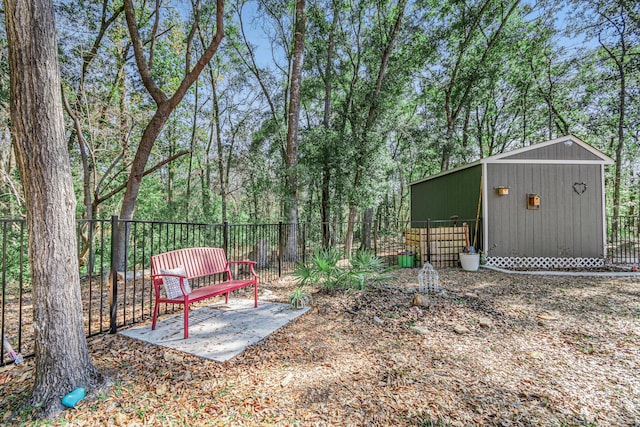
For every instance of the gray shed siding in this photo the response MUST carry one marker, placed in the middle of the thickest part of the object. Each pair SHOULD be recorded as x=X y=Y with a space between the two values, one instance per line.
x=557 y=151
x=567 y=224
x=447 y=195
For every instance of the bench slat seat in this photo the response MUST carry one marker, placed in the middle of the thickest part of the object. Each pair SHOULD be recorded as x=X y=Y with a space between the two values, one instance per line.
x=197 y=263
x=210 y=291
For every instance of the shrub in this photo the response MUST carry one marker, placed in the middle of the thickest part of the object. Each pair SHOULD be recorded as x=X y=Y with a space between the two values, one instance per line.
x=323 y=269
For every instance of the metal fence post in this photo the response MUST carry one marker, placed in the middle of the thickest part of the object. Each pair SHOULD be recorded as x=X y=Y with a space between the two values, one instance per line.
x=376 y=225
x=429 y=240
x=304 y=242
x=114 y=275
x=225 y=237
x=280 y=248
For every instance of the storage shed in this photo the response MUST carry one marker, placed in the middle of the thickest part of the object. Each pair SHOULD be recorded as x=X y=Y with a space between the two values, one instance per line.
x=543 y=206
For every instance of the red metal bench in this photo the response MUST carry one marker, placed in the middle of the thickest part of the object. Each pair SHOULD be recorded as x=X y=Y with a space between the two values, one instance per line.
x=197 y=263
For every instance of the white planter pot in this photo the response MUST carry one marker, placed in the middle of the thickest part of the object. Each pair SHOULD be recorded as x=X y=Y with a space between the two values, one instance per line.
x=470 y=262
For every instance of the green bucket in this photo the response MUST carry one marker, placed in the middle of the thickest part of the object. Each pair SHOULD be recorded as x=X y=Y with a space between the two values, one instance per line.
x=406 y=259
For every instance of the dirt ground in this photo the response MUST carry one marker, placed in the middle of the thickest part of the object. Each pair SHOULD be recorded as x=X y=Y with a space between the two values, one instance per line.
x=492 y=349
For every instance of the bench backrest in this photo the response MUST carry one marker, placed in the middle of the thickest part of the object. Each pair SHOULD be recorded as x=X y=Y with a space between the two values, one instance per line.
x=197 y=262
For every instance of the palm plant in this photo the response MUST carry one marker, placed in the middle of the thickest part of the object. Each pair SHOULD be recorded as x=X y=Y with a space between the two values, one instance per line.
x=365 y=267
x=323 y=269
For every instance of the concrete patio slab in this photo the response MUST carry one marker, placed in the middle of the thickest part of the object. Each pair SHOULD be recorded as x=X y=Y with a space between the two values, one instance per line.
x=220 y=331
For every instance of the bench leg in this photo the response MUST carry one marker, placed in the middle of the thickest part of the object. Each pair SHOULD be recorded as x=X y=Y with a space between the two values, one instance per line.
x=226 y=298
x=255 y=295
x=186 y=321
x=155 y=316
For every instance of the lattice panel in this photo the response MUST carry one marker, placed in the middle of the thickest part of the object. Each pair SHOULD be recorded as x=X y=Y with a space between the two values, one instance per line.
x=542 y=263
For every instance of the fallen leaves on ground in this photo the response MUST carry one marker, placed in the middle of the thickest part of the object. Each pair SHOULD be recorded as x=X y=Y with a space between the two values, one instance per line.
x=535 y=350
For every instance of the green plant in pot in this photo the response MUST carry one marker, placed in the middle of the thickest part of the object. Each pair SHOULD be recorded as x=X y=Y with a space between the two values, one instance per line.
x=299 y=298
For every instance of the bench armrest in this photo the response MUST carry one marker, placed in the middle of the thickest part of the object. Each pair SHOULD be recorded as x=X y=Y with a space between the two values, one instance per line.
x=247 y=262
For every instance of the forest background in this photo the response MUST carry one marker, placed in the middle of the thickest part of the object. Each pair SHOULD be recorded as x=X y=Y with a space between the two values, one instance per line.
x=391 y=92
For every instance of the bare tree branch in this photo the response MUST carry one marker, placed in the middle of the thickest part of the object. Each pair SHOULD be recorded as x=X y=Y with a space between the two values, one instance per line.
x=147 y=172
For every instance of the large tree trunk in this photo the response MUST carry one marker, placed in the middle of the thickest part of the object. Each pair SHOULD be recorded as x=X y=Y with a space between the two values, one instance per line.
x=351 y=223
x=325 y=205
x=367 y=223
x=61 y=354
x=619 y=60
x=617 y=180
x=460 y=90
x=371 y=118
x=291 y=159
x=224 y=190
x=165 y=106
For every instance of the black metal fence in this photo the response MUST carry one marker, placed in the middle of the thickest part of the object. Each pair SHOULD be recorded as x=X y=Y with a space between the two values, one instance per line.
x=119 y=295
x=623 y=239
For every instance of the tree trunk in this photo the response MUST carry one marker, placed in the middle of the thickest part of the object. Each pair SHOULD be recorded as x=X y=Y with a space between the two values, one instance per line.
x=633 y=183
x=291 y=158
x=205 y=180
x=617 y=181
x=367 y=222
x=452 y=92
x=165 y=106
x=192 y=143
x=351 y=224
x=62 y=360
x=325 y=204
x=619 y=61
x=224 y=190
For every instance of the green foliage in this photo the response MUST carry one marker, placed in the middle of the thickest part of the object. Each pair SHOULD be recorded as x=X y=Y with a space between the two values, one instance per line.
x=365 y=260
x=361 y=142
x=323 y=270
x=365 y=267
x=299 y=298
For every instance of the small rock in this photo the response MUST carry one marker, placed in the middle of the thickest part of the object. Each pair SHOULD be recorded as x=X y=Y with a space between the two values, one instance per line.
x=420 y=329
x=535 y=354
x=186 y=377
x=287 y=379
x=471 y=295
x=547 y=316
x=415 y=310
x=162 y=389
x=485 y=322
x=459 y=329
x=377 y=320
x=420 y=301
x=172 y=357
x=120 y=419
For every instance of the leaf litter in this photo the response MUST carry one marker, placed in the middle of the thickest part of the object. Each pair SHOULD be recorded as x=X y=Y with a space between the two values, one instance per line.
x=547 y=350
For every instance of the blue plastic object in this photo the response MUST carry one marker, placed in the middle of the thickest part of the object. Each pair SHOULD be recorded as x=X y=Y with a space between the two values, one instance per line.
x=71 y=399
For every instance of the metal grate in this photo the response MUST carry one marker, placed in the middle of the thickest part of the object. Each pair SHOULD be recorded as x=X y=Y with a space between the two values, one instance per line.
x=428 y=279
